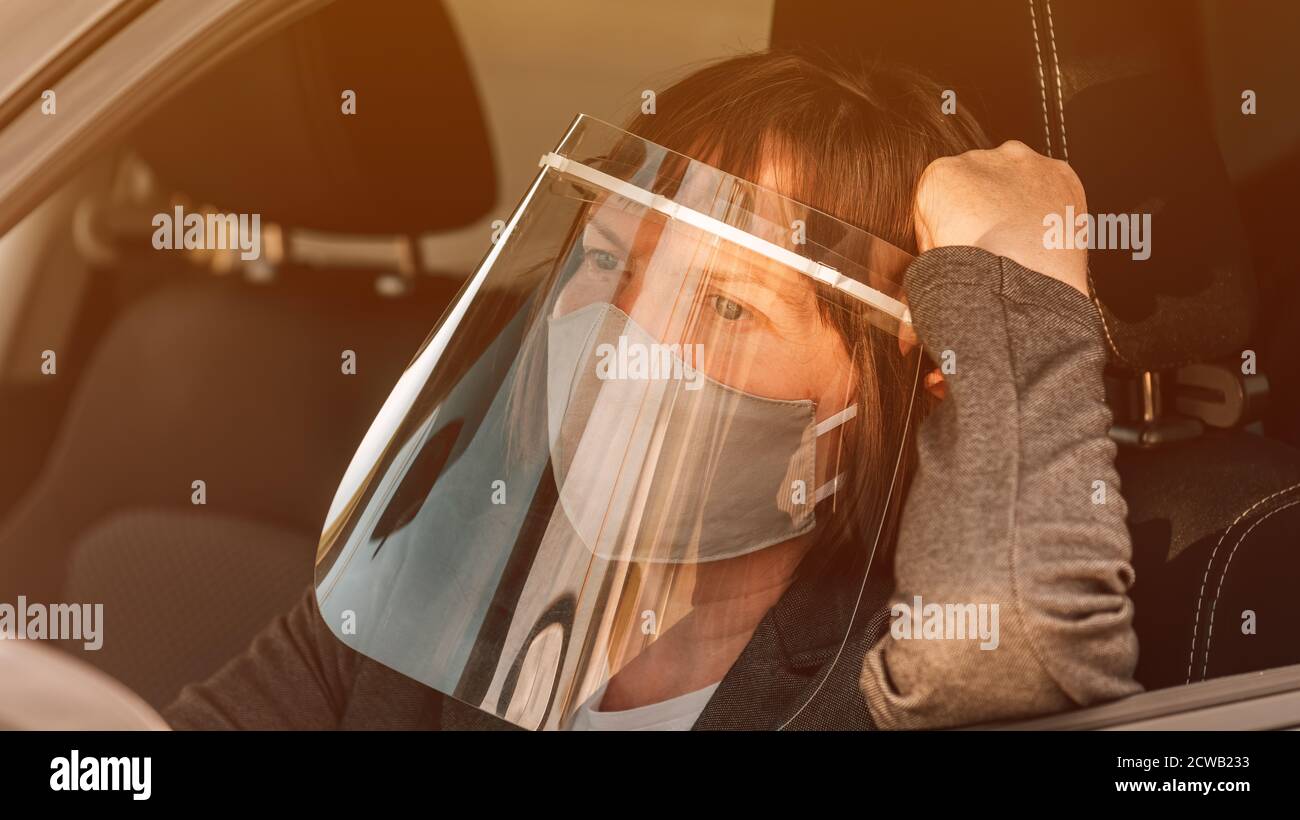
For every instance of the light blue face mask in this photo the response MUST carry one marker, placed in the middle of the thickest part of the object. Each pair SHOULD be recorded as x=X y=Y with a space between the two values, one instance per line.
x=657 y=462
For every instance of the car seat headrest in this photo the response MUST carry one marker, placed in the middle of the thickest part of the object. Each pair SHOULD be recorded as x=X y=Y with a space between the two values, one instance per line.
x=1193 y=298
x=1115 y=88
x=266 y=132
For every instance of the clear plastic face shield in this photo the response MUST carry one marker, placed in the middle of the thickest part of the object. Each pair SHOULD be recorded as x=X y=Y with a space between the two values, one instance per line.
x=663 y=390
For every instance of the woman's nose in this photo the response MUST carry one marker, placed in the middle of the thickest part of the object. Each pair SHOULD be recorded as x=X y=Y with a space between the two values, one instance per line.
x=666 y=313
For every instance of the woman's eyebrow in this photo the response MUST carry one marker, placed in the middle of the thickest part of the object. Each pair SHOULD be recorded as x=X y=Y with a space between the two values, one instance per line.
x=610 y=236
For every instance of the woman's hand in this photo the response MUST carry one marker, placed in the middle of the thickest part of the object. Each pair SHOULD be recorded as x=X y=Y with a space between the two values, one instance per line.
x=997 y=200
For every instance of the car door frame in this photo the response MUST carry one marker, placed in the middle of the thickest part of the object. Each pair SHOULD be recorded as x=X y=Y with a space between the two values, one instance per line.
x=1269 y=699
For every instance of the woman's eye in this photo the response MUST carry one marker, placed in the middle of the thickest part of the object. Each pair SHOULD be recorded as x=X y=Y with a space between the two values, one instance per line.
x=727 y=309
x=604 y=260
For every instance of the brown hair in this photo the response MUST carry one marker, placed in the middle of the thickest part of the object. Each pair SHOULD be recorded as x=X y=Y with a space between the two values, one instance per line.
x=851 y=142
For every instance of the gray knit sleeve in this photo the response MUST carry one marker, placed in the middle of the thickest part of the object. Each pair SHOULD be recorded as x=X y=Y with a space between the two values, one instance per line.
x=1014 y=518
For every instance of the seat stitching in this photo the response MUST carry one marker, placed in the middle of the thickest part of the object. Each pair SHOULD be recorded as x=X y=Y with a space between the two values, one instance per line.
x=1042 y=81
x=1065 y=151
x=1209 y=635
x=1060 y=92
x=1191 y=655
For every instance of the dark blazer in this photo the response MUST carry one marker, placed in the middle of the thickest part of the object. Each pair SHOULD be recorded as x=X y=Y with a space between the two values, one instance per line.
x=800 y=671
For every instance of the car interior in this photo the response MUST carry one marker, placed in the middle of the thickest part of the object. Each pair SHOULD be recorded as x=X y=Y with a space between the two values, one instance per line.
x=196 y=375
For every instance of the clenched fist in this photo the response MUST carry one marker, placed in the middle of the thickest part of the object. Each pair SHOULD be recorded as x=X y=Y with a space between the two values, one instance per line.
x=997 y=200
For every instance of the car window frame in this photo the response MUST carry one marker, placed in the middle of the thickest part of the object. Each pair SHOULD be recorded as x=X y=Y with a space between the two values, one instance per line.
x=144 y=64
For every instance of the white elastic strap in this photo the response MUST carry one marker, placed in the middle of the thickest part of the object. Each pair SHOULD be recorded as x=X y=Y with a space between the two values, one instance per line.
x=675 y=210
x=828 y=489
x=831 y=422
x=823 y=427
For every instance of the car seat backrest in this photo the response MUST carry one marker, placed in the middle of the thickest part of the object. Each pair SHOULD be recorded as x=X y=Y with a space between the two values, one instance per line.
x=238 y=386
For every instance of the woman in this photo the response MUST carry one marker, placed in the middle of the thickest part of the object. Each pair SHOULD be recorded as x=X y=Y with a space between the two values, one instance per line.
x=650 y=470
